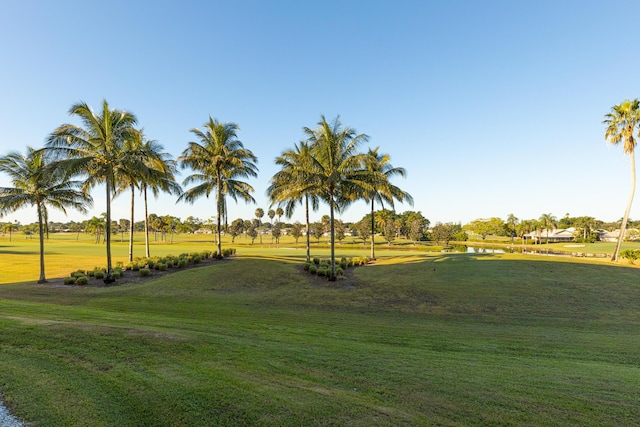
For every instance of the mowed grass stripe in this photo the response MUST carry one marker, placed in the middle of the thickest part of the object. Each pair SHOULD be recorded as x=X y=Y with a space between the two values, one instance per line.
x=443 y=340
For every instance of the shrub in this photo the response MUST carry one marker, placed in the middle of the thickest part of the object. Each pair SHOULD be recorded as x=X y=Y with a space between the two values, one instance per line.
x=145 y=272
x=316 y=261
x=339 y=272
x=99 y=274
x=78 y=273
x=313 y=269
x=71 y=280
x=214 y=254
x=343 y=265
x=321 y=272
x=151 y=264
x=162 y=266
x=196 y=259
x=307 y=265
x=82 y=281
x=182 y=263
x=630 y=254
x=116 y=273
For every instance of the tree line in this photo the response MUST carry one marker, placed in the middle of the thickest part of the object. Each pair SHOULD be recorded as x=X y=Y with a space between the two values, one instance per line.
x=108 y=148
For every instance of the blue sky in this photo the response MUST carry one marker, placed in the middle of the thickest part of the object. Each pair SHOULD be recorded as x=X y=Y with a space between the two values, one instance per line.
x=492 y=107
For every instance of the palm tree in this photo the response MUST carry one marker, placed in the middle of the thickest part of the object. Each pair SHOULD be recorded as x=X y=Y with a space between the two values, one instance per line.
x=548 y=221
x=378 y=172
x=130 y=176
x=512 y=222
x=293 y=184
x=338 y=169
x=621 y=123
x=279 y=213
x=218 y=160
x=97 y=152
x=259 y=214
x=37 y=182
x=159 y=175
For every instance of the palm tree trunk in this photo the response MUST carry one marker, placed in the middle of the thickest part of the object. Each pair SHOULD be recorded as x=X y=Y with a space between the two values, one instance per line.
x=42 y=278
x=146 y=224
x=623 y=227
x=373 y=232
x=332 y=277
x=306 y=203
x=107 y=233
x=131 y=225
x=218 y=220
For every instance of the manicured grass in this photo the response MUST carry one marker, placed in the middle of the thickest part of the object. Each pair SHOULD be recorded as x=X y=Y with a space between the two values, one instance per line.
x=416 y=339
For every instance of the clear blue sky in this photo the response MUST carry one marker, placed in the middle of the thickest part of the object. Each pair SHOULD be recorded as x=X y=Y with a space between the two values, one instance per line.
x=493 y=107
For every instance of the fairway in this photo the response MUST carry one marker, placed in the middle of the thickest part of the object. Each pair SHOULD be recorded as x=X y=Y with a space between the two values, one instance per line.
x=416 y=339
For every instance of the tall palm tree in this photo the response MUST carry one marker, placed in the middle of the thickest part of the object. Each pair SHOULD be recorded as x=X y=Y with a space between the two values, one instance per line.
x=96 y=150
x=218 y=159
x=37 y=182
x=378 y=172
x=129 y=177
x=548 y=221
x=338 y=169
x=621 y=124
x=259 y=214
x=293 y=184
x=159 y=176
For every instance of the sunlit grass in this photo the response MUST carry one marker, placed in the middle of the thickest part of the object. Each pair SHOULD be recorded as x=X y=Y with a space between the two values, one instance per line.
x=419 y=339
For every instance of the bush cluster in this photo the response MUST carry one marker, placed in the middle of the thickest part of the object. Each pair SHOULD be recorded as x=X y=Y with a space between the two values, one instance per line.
x=144 y=266
x=630 y=254
x=322 y=267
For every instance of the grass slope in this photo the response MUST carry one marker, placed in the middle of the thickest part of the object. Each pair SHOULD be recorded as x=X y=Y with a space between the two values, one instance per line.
x=418 y=339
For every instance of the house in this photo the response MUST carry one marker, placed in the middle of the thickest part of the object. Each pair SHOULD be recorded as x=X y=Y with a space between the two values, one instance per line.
x=552 y=236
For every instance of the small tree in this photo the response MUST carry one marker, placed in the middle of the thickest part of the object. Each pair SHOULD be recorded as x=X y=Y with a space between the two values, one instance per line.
x=276 y=231
x=296 y=231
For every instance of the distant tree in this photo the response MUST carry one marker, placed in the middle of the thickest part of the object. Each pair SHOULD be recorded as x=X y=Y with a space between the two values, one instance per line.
x=296 y=231
x=236 y=228
x=339 y=230
x=443 y=232
x=279 y=213
x=259 y=214
x=486 y=227
x=363 y=229
x=622 y=122
x=252 y=232
x=548 y=222
x=276 y=231
x=317 y=229
x=390 y=230
x=512 y=223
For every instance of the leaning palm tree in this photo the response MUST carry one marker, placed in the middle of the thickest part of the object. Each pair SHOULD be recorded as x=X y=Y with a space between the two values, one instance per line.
x=37 y=182
x=218 y=160
x=293 y=184
x=622 y=122
x=339 y=169
x=95 y=150
x=378 y=172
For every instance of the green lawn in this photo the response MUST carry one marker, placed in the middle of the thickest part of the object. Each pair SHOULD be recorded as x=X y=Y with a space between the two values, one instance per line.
x=417 y=339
